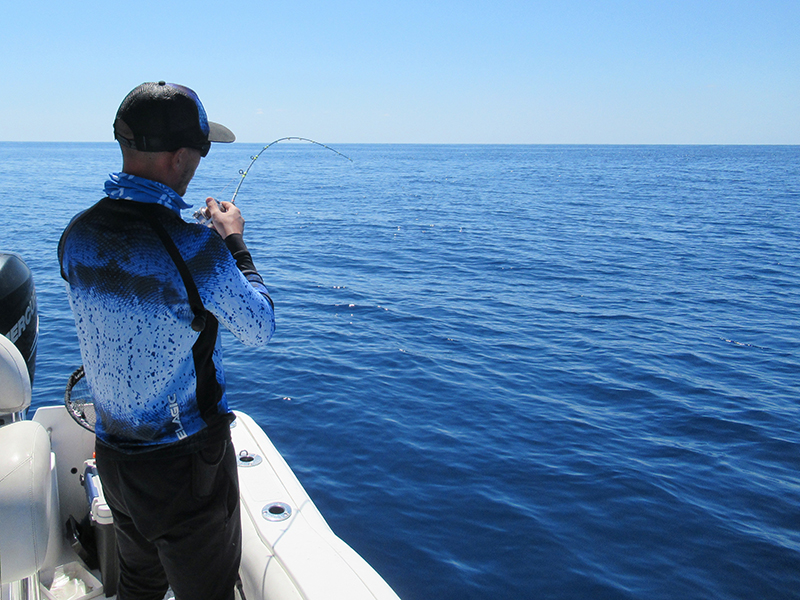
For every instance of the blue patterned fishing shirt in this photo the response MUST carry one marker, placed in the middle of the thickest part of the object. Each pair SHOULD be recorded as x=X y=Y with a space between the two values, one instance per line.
x=154 y=380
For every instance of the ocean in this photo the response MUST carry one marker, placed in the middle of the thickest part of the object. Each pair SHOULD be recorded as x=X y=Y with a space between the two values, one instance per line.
x=506 y=372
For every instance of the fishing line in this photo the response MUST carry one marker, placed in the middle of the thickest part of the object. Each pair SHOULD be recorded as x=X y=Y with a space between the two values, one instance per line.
x=200 y=216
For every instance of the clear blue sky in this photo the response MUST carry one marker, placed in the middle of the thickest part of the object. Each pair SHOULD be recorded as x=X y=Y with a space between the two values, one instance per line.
x=427 y=71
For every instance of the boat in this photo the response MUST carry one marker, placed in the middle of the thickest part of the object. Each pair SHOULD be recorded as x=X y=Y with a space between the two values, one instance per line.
x=56 y=531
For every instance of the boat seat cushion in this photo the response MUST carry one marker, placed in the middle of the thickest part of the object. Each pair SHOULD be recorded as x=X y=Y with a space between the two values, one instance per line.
x=15 y=392
x=26 y=499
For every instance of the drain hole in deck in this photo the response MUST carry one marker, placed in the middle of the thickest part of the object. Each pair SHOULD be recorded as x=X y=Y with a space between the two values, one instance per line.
x=245 y=459
x=277 y=511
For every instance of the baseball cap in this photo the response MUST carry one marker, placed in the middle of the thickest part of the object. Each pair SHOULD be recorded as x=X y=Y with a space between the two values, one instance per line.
x=163 y=117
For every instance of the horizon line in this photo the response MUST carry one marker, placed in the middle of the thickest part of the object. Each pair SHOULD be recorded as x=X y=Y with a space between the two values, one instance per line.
x=238 y=142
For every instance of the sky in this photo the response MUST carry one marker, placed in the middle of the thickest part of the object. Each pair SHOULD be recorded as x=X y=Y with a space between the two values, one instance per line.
x=414 y=71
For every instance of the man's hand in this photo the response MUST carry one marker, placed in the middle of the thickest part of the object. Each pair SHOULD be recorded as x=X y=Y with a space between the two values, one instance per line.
x=225 y=216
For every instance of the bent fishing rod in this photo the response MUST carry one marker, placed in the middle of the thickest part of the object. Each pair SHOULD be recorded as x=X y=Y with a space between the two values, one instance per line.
x=200 y=215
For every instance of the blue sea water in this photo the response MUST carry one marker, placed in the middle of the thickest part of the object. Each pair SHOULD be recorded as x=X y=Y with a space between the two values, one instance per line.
x=506 y=371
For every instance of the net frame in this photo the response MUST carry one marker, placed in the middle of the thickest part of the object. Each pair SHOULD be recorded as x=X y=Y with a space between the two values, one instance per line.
x=78 y=400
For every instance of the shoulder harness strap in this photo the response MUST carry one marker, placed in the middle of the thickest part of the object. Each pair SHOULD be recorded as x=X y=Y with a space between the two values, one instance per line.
x=196 y=304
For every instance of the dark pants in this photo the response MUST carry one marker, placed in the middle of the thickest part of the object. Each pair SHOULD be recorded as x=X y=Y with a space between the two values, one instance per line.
x=176 y=521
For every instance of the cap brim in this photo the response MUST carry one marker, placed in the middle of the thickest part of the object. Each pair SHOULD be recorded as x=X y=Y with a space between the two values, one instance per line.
x=219 y=133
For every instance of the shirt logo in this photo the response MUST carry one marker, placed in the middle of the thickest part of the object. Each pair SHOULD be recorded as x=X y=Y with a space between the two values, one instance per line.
x=175 y=413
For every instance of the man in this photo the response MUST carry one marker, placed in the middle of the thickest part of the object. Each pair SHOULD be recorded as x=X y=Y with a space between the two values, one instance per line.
x=148 y=291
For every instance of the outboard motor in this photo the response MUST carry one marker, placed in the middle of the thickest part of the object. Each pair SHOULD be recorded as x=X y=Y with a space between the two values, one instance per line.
x=19 y=317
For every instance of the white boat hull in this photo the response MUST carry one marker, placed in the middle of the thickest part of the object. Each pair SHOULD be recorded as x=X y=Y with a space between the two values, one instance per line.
x=289 y=552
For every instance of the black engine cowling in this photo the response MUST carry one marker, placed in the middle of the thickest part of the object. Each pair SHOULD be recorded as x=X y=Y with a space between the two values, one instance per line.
x=19 y=318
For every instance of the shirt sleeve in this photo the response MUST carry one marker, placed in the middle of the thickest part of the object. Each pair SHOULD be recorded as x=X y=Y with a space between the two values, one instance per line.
x=244 y=262
x=235 y=292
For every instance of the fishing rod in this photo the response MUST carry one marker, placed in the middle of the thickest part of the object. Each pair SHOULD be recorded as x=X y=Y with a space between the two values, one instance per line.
x=200 y=215
x=244 y=172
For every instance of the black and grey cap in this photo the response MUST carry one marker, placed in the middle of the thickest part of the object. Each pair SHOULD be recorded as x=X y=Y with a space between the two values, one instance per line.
x=163 y=117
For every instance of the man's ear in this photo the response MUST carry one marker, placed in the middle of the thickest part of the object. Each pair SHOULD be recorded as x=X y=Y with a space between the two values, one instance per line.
x=178 y=161
x=179 y=158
